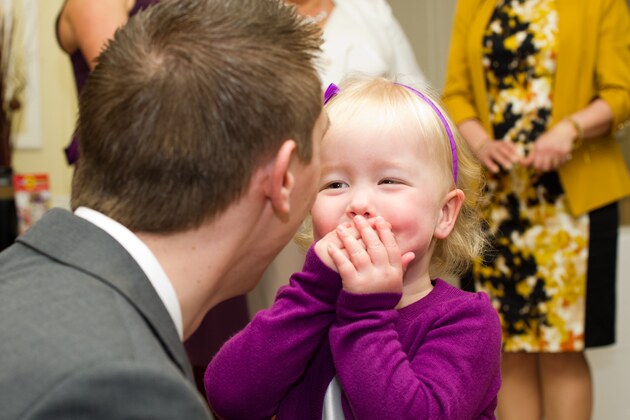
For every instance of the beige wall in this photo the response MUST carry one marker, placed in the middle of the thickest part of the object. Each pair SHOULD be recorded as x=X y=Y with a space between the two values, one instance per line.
x=427 y=24
x=58 y=108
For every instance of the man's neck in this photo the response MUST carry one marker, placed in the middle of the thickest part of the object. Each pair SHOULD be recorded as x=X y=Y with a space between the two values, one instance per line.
x=217 y=261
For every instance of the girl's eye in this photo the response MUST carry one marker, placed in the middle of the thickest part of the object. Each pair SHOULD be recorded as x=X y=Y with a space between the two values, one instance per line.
x=388 y=181
x=336 y=185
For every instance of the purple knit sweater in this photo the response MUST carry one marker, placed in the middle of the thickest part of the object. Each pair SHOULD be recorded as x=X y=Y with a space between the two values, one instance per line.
x=435 y=359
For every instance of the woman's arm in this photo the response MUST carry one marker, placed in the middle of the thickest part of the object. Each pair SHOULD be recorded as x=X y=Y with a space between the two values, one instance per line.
x=609 y=109
x=554 y=146
x=612 y=64
x=458 y=95
x=87 y=25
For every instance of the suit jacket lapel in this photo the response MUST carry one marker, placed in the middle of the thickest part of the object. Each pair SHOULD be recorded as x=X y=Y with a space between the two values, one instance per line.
x=77 y=243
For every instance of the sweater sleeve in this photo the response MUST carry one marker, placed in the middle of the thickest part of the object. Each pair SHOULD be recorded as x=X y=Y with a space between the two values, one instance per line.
x=458 y=94
x=612 y=71
x=255 y=369
x=445 y=367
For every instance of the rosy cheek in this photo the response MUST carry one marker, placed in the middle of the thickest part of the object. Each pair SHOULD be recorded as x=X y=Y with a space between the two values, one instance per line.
x=327 y=213
x=404 y=229
x=321 y=228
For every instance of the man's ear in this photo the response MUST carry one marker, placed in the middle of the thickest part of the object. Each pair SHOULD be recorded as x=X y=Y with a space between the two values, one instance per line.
x=281 y=181
x=448 y=214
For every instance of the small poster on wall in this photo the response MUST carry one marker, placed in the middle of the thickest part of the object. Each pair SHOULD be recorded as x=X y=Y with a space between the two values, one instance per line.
x=32 y=198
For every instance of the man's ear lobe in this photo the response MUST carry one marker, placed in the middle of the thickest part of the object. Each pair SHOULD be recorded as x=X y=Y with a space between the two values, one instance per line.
x=282 y=180
x=448 y=214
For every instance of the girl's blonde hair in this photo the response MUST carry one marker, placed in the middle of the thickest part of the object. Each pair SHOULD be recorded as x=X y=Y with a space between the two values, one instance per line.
x=400 y=106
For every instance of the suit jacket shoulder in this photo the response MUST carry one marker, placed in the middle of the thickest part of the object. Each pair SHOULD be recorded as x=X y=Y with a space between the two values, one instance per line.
x=75 y=305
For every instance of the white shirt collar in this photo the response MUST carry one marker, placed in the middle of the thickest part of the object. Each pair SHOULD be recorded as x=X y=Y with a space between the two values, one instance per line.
x=145 y=259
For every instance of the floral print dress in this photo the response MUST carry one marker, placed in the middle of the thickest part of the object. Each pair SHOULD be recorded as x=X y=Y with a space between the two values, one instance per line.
x=536 y=271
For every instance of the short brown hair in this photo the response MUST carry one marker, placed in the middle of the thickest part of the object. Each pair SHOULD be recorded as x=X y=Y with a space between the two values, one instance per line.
x=186 y=101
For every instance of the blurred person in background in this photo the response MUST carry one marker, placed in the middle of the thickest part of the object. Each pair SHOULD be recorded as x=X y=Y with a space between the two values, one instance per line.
x=361 y=36
x=538 y=88
x=83 y=28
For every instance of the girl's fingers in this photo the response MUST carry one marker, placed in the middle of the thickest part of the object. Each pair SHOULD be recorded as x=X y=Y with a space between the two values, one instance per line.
x=375 y=247
x=371 y=264
x=388 y=240
x=342 y=261
x=407 y=259
x=354 y=247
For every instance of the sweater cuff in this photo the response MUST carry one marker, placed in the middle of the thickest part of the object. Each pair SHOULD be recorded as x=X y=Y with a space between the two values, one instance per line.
x=317 y=279
x=351 y=306
x=315 y=265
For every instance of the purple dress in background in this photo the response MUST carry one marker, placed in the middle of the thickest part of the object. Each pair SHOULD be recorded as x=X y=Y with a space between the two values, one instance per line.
x=81 y=71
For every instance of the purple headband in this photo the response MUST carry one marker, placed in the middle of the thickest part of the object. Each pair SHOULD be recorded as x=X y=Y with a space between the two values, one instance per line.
x=333 y=89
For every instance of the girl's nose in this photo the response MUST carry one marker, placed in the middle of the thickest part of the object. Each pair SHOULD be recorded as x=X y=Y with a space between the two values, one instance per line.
x=360 y=205
x=365 y=214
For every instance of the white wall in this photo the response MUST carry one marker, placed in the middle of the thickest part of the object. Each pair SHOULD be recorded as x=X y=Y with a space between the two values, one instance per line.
x=611 y=365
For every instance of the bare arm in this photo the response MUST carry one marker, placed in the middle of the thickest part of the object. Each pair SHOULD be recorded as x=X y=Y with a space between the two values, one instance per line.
x=596 y=119
x=554 y=146
x=87 y=25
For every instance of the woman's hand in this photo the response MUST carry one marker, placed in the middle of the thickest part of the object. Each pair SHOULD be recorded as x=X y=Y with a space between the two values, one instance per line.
x=371 y=263
x=552 y=148
x=495 y=155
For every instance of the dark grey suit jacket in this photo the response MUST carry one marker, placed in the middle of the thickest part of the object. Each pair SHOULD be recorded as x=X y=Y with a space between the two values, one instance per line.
x=83 y=334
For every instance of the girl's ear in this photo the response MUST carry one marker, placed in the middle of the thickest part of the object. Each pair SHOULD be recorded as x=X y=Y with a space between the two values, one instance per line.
x=281 y=180
x=448 y=214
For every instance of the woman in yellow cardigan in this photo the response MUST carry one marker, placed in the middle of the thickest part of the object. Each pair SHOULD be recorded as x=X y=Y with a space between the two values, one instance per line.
x=538 y=88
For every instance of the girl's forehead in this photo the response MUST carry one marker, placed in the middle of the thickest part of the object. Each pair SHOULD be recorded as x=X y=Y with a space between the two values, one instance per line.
x=377 y=128
x=381 y=114
x=383 y=117
x=376 y=136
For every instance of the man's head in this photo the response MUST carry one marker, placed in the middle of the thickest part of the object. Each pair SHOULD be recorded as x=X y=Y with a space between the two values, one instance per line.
x=186 y=102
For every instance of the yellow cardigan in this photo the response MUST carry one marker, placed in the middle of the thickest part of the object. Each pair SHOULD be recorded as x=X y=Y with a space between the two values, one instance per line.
x=593 y=61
